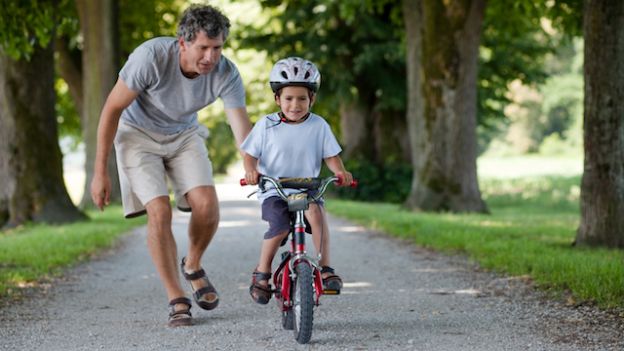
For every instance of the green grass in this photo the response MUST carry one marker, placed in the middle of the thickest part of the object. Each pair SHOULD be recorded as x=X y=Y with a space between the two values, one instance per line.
x=530 y=231
x=32 y=254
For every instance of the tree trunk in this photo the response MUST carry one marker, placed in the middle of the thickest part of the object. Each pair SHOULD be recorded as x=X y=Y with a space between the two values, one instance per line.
x=380 y=137
x=100 y=69
x=446 y=177
x=390 y=139
x=31 y=167
x=602 y=188
x=355 y=129
x=412 y=14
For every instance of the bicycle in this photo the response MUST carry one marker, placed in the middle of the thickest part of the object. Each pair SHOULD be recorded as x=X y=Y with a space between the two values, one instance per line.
x=297 y=279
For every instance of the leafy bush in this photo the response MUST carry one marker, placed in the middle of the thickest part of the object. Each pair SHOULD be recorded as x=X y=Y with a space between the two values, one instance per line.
x=386 y=183
x=221 y=146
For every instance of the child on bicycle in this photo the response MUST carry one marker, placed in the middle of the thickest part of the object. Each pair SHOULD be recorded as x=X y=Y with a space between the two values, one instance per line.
x=291 y=143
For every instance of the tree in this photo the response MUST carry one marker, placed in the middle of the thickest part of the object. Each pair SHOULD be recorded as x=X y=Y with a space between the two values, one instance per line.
x=602 y=188
x=31 y=168
x=100 y=60
x=412 y=13
x=446 y=173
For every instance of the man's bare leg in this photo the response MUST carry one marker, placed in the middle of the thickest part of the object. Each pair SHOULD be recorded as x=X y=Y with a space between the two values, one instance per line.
x=162 y=245
x=202 y=227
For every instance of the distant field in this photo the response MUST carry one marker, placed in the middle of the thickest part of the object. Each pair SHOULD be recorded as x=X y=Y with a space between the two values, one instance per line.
x=528 y=166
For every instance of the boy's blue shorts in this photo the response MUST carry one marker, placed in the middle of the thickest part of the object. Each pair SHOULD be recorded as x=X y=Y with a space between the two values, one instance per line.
x=275 y=211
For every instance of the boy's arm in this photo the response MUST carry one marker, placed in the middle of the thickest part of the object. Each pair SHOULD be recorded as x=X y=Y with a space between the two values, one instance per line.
x=335 y=165
x=250 y=164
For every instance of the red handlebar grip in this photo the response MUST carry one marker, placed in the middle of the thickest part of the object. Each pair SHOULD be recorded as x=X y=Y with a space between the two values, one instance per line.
x=243 y=182
x=354 y=182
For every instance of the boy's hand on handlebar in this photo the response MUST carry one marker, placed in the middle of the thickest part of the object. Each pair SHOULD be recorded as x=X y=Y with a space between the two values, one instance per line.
x=251 y=177
x=344 y=178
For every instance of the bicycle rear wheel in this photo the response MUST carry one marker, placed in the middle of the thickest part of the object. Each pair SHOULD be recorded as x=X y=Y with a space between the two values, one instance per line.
x=303 y=298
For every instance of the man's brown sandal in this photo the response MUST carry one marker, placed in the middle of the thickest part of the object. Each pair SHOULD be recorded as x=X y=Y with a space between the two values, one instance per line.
x=260 y=293
x=199 y=295
x=183 y=317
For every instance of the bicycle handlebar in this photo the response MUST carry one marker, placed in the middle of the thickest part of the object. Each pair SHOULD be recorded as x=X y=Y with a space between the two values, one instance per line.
x=320 y=184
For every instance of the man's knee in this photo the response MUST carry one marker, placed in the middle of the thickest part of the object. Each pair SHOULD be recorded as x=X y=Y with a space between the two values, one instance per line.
x=204 y=205
x=206 y=211
x=159 y=212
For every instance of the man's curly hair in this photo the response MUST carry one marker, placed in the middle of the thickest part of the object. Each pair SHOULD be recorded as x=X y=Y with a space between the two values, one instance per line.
x=203 y=18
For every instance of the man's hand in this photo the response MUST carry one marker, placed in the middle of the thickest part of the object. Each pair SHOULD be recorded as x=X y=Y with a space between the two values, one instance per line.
x=100 y=191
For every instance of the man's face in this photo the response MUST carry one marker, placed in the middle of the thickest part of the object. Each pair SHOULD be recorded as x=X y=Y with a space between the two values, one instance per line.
x=201 y=55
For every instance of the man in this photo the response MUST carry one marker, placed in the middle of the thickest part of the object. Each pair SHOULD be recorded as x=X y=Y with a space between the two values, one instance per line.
x=151 y=116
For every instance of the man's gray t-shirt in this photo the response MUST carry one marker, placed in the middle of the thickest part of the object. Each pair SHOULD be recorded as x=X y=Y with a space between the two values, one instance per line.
x=290 y=150
x=168 y=101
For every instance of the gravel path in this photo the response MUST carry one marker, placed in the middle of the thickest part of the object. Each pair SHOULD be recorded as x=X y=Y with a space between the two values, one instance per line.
x=396 y=297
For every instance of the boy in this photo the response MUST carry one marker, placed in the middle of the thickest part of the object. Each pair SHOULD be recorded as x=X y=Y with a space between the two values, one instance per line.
x=291 y=143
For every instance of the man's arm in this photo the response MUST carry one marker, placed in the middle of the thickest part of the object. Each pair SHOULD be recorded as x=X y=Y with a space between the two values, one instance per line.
x=119 y=98
x=239 y=122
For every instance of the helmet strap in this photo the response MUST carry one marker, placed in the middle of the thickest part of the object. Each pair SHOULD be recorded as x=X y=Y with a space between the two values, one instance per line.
x=284 y=119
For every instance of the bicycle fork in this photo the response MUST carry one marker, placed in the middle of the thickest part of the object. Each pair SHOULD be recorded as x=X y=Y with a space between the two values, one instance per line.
x=290 y=259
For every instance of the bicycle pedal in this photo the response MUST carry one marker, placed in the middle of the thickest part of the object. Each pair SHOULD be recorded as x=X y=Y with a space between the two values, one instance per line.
x=331 y=292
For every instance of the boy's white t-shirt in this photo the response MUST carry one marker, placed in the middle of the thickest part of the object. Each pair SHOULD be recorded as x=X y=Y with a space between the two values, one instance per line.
x=290 y=150
x=168 y=101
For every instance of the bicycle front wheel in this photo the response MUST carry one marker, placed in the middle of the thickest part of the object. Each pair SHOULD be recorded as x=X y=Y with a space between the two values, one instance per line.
x=303 y=302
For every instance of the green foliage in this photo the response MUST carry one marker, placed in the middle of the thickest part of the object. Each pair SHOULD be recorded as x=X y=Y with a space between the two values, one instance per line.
x=66 y=115
x=221 y=147
x=513 y=47
x=388 y=183
x=34 y=253
x=140 y=20
x=562 y=106
x=25 y=25
x=530 y=232
x=524 y=43
x=567 y=16
x=547 y=117
x=357 y=48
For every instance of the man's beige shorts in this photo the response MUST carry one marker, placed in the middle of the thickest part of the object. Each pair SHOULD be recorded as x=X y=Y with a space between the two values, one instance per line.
x=145 y=159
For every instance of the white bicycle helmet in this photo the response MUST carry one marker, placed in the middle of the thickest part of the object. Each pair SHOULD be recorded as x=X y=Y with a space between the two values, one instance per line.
x=294 y=71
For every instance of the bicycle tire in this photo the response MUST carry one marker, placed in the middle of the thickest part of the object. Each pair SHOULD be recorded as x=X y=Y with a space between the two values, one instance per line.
x=303 y=302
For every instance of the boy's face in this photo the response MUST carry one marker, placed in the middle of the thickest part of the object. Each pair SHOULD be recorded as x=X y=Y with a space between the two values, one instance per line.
x=294 y=102
x=201 y=55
